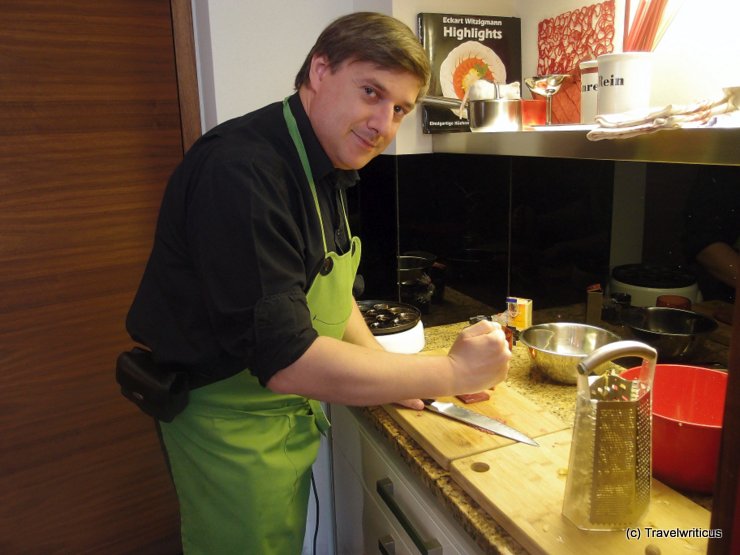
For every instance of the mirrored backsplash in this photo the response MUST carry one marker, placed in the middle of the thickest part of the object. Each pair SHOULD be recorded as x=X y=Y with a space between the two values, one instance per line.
x=485 y=227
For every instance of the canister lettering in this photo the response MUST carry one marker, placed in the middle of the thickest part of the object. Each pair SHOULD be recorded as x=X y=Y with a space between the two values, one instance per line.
x=611 y=81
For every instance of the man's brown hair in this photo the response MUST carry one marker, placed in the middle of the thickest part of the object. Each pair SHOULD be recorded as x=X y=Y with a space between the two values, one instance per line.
x=369 y=37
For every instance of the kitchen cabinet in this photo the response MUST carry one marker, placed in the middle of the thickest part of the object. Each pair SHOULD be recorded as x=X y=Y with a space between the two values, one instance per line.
x=381 y=507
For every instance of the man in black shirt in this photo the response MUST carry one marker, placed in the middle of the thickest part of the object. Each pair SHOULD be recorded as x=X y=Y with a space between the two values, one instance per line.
x=249 y=287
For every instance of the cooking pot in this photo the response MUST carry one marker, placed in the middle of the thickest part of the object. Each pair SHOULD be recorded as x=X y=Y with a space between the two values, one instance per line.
x=412 y=266
x=676 y=334
x=396 y=326
x=415 y=280
x=688 y=408
x=484 y=115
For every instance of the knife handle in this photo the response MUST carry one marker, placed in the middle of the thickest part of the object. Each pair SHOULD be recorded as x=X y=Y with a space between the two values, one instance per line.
x=384 y=487
x=427 y=402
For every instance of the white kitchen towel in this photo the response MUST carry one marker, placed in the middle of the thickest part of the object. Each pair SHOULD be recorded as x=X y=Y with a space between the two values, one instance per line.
x=641 y=122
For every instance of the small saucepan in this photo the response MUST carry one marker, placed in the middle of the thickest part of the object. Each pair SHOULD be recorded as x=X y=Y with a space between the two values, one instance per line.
x=484 y=115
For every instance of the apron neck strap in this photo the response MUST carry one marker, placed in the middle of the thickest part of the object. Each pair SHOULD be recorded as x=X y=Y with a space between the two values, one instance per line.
x=343 y=203
x=298 y=142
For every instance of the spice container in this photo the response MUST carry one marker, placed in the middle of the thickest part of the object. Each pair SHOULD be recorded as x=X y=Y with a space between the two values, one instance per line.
x=519 y=312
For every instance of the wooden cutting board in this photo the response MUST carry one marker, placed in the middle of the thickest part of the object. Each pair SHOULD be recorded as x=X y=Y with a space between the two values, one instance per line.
x=522 y=488
x=446 y=439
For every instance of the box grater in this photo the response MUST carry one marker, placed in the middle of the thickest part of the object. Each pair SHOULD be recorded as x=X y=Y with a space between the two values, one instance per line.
x=608 y=484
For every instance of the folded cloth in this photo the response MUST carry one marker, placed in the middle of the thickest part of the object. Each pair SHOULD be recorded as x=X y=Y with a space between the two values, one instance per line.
x=633 y=117
x=728 y=120
x=600 y=133
x=651 y=120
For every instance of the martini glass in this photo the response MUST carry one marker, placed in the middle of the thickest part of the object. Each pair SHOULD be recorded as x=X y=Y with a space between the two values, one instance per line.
x=547 y=86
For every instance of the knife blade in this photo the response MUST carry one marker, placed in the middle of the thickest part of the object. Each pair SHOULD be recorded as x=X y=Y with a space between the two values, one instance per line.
x=451 y=410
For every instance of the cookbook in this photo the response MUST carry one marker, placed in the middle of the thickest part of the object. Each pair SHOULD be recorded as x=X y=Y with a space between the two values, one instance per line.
x=464 y=48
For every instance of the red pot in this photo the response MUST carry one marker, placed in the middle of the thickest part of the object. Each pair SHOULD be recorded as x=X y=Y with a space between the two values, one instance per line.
x=688 y=406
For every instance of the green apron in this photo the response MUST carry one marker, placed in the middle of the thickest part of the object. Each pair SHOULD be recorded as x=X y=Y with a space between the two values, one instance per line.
x=241 y=455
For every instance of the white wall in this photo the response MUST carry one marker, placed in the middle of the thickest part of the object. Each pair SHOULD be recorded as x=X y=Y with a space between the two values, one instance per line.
x=700 y=53
x=250 y=51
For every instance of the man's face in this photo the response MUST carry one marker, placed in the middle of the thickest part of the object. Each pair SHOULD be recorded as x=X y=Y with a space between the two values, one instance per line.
x=356 y=110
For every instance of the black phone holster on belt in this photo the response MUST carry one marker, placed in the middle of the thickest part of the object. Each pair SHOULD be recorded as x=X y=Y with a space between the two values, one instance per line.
x=159 y=390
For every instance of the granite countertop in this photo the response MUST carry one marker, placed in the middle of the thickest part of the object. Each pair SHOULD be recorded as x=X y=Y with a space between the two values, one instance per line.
x=559 y=399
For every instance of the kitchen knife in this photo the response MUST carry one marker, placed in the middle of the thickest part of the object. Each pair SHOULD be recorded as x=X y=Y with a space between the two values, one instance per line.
x=455 y=412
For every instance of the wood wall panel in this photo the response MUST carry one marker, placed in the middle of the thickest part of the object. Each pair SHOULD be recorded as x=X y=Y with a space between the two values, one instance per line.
x=90 y=129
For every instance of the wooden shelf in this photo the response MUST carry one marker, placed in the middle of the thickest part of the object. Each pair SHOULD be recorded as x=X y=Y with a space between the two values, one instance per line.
x=684 y=146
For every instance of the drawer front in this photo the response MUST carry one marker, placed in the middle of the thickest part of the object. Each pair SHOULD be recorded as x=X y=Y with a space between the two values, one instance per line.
x=362 y=527
x=404 y=500
x=381 y=535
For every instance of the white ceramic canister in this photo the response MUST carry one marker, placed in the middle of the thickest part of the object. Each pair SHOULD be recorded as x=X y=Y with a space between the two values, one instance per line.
x=589 y=79
x=624 y=82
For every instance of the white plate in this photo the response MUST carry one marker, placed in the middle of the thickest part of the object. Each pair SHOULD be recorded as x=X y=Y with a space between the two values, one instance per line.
x=470 y=49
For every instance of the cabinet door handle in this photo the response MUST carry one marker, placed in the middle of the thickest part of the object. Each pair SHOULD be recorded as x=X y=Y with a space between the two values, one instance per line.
x=387 y=546
x=384 y=486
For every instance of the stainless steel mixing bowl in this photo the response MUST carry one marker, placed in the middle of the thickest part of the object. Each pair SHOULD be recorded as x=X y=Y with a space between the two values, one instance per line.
x=676 y=334
x=557 y=348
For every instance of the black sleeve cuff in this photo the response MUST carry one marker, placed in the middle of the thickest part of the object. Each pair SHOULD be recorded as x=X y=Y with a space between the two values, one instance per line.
x=283 y=332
